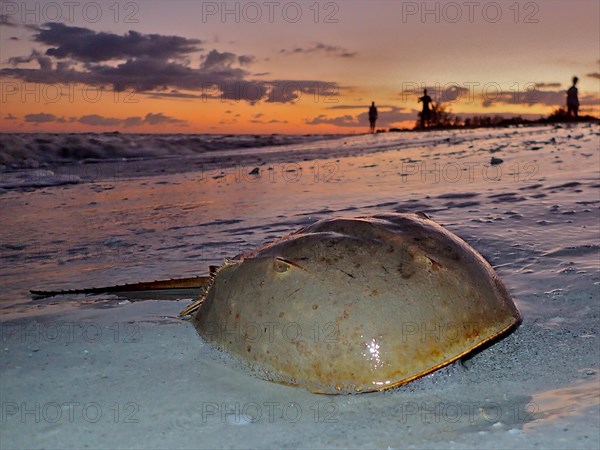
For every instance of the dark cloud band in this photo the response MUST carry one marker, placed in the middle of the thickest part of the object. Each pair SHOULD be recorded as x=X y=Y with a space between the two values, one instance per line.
x=153 y=64
x=86 y=45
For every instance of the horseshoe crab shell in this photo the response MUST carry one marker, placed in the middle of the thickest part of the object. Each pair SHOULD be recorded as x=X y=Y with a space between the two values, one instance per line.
x=356 y=305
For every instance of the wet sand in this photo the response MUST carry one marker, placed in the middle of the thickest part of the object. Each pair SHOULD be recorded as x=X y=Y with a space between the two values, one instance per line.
x=104 y=372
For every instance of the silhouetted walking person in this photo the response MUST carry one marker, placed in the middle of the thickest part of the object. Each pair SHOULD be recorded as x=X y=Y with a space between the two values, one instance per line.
x=426 y=112
x=373 y=114
x=573 y=100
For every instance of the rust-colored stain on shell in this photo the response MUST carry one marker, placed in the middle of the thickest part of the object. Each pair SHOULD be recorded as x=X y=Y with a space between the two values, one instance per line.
x=356 y=305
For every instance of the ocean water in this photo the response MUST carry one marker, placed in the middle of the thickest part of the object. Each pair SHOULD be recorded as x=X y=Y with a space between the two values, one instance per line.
x=142 y=208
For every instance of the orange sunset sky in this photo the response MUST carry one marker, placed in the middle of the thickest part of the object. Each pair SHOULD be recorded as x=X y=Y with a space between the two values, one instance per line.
x=287 y=67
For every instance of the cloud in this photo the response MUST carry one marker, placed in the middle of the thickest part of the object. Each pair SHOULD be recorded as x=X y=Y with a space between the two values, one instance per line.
x=40 y=118
x=447 y=93
x=387 y=116
x=246 y=60
x=133 y=122
x=535 y=97
x=146 y=74
x=160 y=119
x=450 y=93
x=320 y=48
x=547 y=85
x=340 y=121
x=274 y=91
x=140 y=74
x=218 y=61
x=595 y=75
x=95 y=120
x=9 y=116
x=152 y=119
x=86 y=45
x=285 y=91
x=256 y=116
x=44 y=61
x=152 y=64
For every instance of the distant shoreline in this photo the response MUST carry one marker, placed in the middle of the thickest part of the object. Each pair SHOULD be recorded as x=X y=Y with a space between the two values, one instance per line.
x=557 y=118
x=500 y=122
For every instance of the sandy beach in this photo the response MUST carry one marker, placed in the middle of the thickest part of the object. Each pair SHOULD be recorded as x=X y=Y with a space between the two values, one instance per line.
x=108 y=372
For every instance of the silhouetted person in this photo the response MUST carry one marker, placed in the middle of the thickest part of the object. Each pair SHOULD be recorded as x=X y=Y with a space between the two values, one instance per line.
x=426 y=112
x=373 y=116
x=573 y=100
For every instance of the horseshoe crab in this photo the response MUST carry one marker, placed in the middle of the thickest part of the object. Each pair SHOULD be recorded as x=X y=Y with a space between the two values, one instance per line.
x=353 y=305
